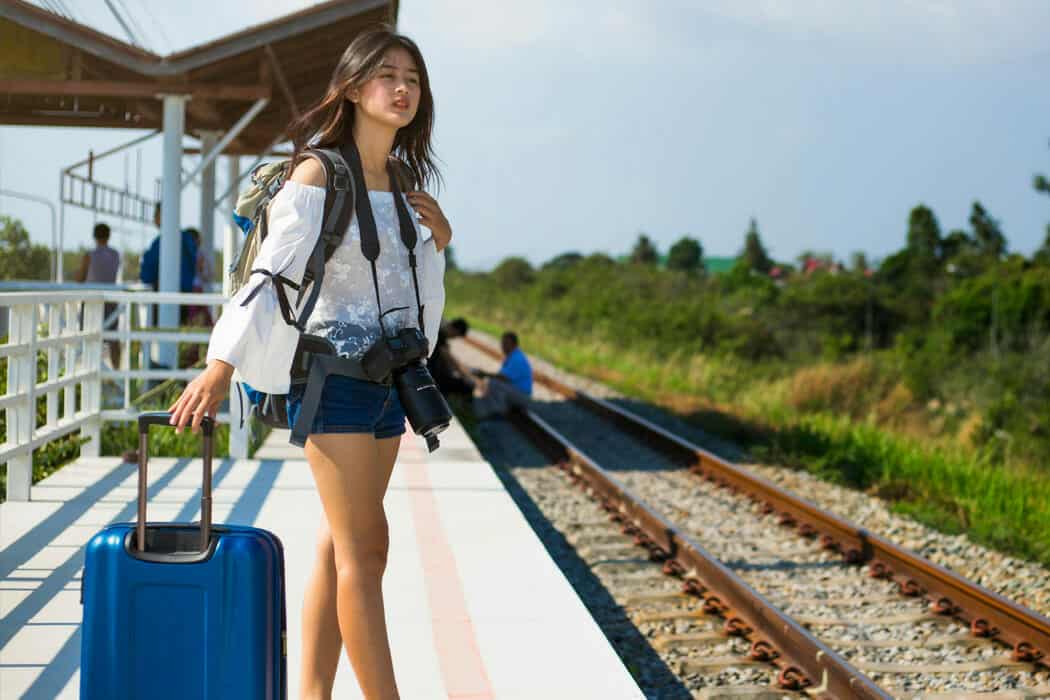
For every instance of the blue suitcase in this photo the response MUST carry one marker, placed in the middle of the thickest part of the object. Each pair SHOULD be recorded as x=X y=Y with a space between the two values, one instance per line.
x=182 y=621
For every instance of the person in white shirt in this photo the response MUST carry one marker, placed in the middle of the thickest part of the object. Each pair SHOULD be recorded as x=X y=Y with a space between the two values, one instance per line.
x=380 y=97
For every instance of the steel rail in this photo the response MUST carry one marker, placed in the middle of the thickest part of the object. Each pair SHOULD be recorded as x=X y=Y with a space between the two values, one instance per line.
x=804 y=662
x=988 y=614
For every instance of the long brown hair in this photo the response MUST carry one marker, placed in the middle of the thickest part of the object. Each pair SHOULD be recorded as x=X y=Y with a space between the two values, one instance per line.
x=330 y=122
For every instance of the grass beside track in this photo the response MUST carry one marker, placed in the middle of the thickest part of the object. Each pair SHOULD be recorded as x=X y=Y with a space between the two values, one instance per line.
x=949 y=487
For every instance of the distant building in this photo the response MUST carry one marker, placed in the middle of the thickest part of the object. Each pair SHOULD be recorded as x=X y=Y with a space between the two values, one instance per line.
x=718 y=266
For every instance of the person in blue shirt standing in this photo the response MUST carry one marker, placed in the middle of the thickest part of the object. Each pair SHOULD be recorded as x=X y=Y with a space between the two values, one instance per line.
x=149 y=273
x=149 y=267
x=511 y=387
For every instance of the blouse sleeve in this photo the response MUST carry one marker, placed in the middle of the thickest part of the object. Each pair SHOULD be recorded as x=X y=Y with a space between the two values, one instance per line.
x=251 y=334
x=432 y=282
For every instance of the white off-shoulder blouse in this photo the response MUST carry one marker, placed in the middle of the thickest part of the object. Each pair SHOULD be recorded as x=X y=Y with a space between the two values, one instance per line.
x=255 y=338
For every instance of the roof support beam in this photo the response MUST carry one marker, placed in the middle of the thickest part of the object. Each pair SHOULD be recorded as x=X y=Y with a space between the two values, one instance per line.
x=112 y=88
x=282 y=82
x=99 y=156
x=207 y=223
x=95 y=122
x=230 y=135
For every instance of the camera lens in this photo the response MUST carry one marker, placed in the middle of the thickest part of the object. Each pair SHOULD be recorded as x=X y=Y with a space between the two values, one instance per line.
x=425 y=406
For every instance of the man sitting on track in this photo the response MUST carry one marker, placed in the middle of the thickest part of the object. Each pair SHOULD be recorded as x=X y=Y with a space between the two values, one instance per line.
x=511 y=387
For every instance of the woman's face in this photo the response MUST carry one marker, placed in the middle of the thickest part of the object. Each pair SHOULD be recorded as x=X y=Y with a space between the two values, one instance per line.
x=392 y=96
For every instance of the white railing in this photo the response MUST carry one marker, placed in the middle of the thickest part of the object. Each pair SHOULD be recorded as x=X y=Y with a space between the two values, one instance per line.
x=68 y=327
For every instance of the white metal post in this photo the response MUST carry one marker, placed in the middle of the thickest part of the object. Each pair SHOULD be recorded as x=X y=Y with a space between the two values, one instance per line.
x=60 y=274
x=208 y=141
x=240 y=424
x=170 y=234
x=70 y=327
x=54 y=330
x=21 y=372
x=91 y=389
x=240 y=421
x=232 y=240
x=125 y=343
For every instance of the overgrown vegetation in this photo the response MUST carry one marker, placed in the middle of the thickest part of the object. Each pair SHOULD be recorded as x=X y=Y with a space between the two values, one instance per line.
x=923 y=379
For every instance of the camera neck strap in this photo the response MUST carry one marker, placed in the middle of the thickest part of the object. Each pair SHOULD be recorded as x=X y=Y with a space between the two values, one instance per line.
x=367 y=225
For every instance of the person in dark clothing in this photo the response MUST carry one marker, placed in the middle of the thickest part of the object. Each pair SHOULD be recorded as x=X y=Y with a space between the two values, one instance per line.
x=198 y=315
x=149 y=273
x=149 y=270
x=452 y=379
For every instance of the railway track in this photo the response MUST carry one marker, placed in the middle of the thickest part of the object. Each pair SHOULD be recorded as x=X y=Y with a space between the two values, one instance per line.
x=833 y=610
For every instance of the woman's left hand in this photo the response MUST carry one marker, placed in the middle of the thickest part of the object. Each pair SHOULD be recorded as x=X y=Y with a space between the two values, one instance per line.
x=431 y=216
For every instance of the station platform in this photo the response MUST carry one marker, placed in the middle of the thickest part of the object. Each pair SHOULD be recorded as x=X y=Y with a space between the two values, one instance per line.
x=475 y=607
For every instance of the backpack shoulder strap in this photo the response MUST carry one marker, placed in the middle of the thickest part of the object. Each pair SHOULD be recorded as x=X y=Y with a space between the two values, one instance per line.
x=338 y=209
x=339 y=197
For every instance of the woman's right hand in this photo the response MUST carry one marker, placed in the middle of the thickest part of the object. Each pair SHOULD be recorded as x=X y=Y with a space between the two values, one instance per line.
x=201 y=396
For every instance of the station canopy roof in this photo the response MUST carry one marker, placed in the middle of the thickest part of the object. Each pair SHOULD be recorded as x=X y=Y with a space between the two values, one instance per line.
x=57 y=72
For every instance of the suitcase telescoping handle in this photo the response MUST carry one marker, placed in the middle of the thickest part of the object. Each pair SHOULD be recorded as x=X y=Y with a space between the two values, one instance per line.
x=208 y=429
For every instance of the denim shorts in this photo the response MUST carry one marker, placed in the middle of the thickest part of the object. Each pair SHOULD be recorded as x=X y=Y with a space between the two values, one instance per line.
x=351 y=405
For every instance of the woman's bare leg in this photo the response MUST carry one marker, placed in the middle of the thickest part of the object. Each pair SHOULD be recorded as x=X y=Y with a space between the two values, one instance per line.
x=322 y=641
x=351 y=479
x=388 y=448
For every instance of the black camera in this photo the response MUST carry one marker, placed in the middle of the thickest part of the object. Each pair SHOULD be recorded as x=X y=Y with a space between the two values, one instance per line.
x=393 y=351
x=400 y=357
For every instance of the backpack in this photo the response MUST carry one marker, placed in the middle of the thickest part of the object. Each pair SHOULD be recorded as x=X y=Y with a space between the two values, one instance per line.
x=250 y=214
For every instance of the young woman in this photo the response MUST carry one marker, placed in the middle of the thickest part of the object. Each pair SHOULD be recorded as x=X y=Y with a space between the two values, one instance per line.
x=379 y=96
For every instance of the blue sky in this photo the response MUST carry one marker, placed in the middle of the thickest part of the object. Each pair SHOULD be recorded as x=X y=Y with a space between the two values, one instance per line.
x=575 y=128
